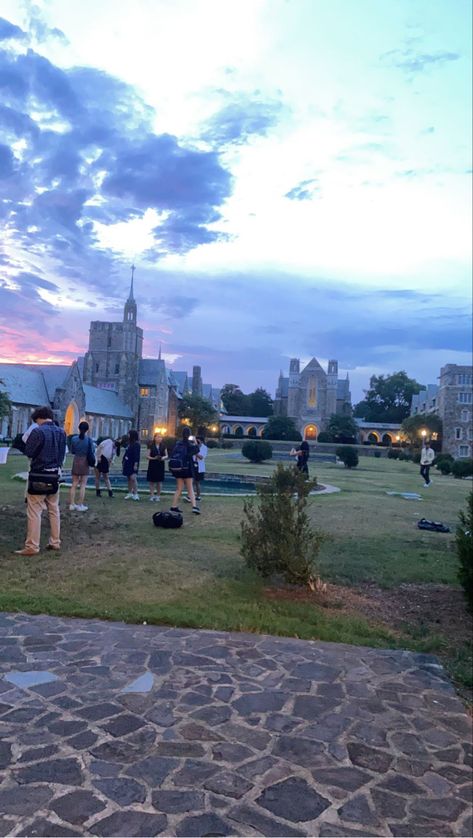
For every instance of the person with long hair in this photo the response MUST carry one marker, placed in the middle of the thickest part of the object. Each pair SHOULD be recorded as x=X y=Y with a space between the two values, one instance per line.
x=82 y=450
x=157 y=454
x=183 y=453
x=131 y=464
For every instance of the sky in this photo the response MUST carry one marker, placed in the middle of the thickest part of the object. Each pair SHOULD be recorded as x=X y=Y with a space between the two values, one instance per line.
x=291 y=178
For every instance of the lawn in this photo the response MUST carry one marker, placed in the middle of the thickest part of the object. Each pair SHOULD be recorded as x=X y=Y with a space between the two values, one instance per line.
x=115 y=564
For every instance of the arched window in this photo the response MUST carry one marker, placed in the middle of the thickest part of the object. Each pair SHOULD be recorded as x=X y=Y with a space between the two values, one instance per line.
x=251 y=432
x=238 y=431
x=312 y=392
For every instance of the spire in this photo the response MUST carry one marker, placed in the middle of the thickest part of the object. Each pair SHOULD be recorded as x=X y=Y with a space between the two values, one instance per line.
x=131 y=298
x=159 y=356
x=130 y=310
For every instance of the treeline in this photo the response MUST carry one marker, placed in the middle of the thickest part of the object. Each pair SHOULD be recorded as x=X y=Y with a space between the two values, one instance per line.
x=237 y=403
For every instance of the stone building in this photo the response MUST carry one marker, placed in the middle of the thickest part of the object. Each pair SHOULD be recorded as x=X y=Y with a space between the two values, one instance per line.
x=311 y=396
x=452 y=401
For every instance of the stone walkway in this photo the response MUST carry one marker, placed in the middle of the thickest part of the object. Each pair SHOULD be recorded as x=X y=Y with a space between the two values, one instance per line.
x=108 y=729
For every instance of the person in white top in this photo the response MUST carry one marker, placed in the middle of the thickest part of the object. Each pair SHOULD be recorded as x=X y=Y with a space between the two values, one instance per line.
x=104 y=455
x=199 y=473
x=427 y=456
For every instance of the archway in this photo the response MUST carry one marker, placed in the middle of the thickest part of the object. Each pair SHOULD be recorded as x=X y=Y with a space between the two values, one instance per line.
x=71 y=419
x=226 y=429
x=251 y=432
x=238 y=431
x=373 y=438
x=311 y=432
x=387 y=439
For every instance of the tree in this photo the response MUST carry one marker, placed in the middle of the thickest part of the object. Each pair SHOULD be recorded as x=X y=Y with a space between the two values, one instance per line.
x=388 y=398
x=348 y=456
x=413 y=425
x=199 y=412
x=281 y=427
x=5 y=404
x=342 y=428
x=260 y=403
x=234 y=400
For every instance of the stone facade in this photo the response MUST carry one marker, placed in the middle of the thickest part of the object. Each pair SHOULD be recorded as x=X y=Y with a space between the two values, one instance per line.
x=452 y=401
x=311 y=396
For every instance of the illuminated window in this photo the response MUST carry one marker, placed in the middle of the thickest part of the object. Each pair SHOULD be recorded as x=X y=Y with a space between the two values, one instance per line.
x=312 y=392
x=144 y=391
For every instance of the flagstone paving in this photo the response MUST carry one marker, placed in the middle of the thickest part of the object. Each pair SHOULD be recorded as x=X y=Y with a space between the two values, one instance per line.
x=110 y=729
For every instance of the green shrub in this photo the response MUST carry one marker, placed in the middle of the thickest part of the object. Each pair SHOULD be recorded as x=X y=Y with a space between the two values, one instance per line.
x=440 y=457
x=464 y=542
x=416 y=457
x=324 y=436
x=394 y=454
x=257 y=450
x=444 y=466
x=348 y=456
x=405 y=457
x=377 y=454
x=227 y=443
x=462 y=468
x=212 y=443
x=276 y=536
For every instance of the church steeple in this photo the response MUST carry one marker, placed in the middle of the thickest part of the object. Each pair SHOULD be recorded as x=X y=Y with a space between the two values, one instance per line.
x=130 y=310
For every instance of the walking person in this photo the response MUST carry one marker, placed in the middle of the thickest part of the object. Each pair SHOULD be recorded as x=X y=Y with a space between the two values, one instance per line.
x=302 y=454
x=104 y=455
x=46 y=448
x=427 y=456
x=82 y=450
x=157 y=455
x=131 y=464
x=199 y=468
x=181 y=467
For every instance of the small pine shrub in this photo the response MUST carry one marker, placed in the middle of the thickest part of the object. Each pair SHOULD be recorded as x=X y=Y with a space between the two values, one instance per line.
x=324 y=436
x=212 y=443
x=462 y=468
x=416 y=457
x=348 y=456
x=440 y=457
x=464 y=542
x=394 y=454
x=377 y=454
x=256 y=450
x=444 y=466
x=276 y=536
x=227 y=443
x=405 y=457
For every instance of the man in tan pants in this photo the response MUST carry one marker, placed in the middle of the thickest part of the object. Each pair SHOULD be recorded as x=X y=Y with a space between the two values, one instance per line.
x=46 y=446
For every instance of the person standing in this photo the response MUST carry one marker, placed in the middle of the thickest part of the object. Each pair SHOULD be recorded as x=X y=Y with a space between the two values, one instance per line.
x=427 y=456
x=104 y=454
x=157 y=455
x=131 y=464
x=82 y=450
x=302 y=454
x=181 y=467
x=199 y=467
x=46 y=448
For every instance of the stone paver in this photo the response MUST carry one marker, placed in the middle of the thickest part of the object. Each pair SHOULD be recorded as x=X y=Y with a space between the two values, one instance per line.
x=110 y=729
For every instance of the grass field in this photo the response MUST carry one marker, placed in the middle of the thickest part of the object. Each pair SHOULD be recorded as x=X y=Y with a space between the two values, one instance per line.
x=115 y=564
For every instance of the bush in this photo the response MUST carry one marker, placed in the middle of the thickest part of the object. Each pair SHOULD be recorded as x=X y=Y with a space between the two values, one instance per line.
x=405 y=457
x=444 y=466
x=377 y=454
x=257 y=450
x=394 y=454
x=212 y=443
x=416 y=457
x=348 y=456
x=324 y=436
x=462 y=468
x=276 y=536
x=464 y=542
x=227 y=443
x=443 y=457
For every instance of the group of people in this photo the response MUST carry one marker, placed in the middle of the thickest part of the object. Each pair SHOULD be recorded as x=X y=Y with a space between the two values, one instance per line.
x=44 y=443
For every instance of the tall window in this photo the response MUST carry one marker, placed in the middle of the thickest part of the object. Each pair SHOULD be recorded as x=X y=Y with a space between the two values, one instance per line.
x=312 y=392
x=465 y=398
x=144 y=391
x=117 y=369
x=463 y=450
x=465 y=415
x=458 y=433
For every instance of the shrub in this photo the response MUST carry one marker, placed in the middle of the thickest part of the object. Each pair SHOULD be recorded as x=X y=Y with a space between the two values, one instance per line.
x=416 y=457
x=276 y=536
x=394 y=454
x=444 y=466
x=462 y=468
x=377 y=454
x=405 y=457
x=257 y=450
x=212 y=443
x=324 y=436
x=227 y=443
x=464 y=542
x=348 y=456
x=440 y=457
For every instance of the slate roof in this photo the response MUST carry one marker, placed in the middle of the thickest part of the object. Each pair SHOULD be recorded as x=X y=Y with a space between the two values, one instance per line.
x=54 y=376
x=179 y=380
x=24 y=384
x=105 y=403
x=150 y=370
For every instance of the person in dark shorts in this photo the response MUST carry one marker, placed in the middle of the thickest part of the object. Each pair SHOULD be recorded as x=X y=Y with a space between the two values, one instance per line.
x=104 y=454
x=199 y=468
x=157 y=455
x=185 y=449
x=302 y=454
x=131 y=464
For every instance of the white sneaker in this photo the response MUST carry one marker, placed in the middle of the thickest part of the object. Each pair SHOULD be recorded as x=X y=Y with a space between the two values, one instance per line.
x=73 y=507
x=82 y=508
x=187 y=500
x=157 y=498
x=151 y=498
x=129 y=496
x=135 y=497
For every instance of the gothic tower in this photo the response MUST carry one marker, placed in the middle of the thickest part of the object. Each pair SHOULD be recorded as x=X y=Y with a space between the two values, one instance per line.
x=293 y=390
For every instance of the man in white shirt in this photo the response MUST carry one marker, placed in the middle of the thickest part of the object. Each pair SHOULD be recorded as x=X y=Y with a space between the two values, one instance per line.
x=427 y=456
x=104 y=454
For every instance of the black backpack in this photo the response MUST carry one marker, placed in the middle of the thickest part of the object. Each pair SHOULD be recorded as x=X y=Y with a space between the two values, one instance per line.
x=433 y=526
x=168 y=520
x=180 y=460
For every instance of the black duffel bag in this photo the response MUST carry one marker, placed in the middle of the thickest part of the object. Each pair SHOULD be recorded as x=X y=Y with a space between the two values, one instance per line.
x=168 y=520
x=43 y=482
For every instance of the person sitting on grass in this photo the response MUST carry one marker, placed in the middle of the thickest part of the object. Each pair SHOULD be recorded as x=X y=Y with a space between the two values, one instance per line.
x=131 y=464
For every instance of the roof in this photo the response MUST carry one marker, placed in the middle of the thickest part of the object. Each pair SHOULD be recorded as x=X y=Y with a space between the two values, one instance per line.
x=24 y=385
x=54 y=376
x=388 y=426
x=313 y=365
x=179 y=380
x=225 y=417
x=105 y=403
x=151 y=370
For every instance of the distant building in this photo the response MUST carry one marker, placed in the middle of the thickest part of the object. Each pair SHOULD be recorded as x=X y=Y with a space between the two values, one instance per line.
x=452 y=401
x=311 y=396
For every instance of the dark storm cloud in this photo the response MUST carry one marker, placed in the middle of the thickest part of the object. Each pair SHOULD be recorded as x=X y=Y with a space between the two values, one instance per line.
x=239 y=120
x=90 y=155
x=9 y=30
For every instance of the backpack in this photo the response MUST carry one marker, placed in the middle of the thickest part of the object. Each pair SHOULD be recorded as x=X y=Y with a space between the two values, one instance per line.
x=168 y=520
x=433 y=526
x=180 y=460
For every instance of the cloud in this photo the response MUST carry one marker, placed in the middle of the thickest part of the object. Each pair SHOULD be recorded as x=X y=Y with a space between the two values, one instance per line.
x=10 y=31
x=304 y=191
x=413 y=63
x=240 y=120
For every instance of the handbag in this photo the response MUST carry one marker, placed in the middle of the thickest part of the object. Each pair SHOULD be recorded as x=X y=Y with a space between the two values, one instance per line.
x=43 y=483
x=90 y=454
